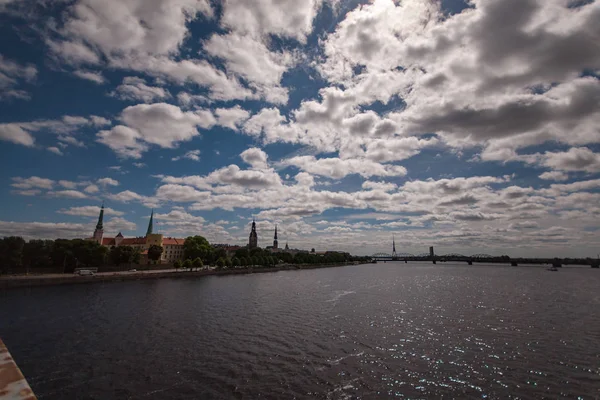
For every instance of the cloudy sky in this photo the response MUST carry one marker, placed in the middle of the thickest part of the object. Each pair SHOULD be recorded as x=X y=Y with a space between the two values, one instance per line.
x=469 y=125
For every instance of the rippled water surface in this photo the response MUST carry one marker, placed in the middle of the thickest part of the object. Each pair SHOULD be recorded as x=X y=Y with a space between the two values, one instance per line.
x=371 y=331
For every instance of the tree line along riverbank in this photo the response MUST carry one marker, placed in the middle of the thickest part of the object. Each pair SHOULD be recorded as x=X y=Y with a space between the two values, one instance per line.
x=18 y=256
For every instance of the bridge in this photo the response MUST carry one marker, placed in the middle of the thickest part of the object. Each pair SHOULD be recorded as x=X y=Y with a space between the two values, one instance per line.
x=484 y=258
x=480 y=257
x=427 y=257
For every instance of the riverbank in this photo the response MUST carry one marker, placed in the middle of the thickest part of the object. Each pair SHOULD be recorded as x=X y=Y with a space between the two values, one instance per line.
x=7 y=282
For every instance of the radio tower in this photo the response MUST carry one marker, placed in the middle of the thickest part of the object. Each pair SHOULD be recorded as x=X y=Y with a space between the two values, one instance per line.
x=394 y=255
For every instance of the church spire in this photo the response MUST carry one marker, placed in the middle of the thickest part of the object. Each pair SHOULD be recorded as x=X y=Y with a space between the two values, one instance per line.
x=99 y=231
x=275 y=243
x=150 y=223
x=393 y=246
x=99 y=225
x=253 y=239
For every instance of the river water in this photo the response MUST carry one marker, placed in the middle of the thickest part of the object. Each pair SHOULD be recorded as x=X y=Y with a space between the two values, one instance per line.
x=369 y=331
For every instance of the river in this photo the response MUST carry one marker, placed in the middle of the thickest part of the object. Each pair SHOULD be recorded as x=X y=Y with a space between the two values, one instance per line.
x=369 y=331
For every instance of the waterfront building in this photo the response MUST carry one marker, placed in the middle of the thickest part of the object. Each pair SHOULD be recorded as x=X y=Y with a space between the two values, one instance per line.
x=275 y=244
x=253 y=239
x=172 y=247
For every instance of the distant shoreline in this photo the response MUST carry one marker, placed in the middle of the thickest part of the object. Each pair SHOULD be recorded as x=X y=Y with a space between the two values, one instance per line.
x=20 y=281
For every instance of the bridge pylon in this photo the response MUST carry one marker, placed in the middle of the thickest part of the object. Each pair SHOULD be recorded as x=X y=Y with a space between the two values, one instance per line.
x=394 y=255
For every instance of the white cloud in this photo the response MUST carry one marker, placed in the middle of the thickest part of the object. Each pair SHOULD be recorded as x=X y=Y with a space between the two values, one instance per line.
x=32 y=182
x=134 y=88
x=249 y=58
x=89 y=211
x=93 y=76
x=160 y=124
x=13 y=74
x=231 y=118
x=117 y=224
x=16 y=134
x=133 y=26
x=55 y=150
x=575 y=159
x=124 y=141
x=91 y=189
x=193 y=155
x=20 y=132
x=385 y=186
x=255 y=157
x=107 y=182
x=186 y=99
x=71 y=194
x=337 y=168
x=554 y=176
x=68 y=184
x=44 y=230
x=287 y=18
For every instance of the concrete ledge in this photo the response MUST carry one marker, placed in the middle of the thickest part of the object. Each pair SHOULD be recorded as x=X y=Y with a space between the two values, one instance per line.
x=12 y=382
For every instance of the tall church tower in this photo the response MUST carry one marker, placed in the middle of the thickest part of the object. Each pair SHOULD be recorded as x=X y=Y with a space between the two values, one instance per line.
x=394 y=246
x=99 y=231
x=275 y=244
x=150 y=224
x=253 y=240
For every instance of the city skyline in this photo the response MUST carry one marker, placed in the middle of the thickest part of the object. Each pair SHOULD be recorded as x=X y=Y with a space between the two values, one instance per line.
x=349 y=125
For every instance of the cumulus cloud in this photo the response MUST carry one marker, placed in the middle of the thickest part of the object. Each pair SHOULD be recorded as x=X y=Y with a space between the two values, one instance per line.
x=337 y=168
x=93 y=76
x=21 y=132
x=32 y=182
x=554 y=176
x=575 y=159
x=44 y=230
x=134 y=88
x=193 y=155
x=286 y=18
x=107 y=182
x=12 y=75
x=161 y=124
x=256 y=157
x=69 y=194
x=55 y=150
x=231 y=118
x=89 y=211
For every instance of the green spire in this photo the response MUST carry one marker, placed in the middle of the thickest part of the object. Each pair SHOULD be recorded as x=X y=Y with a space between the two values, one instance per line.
x=149 y=231
x=99 y=225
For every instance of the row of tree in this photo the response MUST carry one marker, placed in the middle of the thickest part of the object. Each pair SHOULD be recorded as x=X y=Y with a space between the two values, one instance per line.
x=64 y=255
x=60 y=255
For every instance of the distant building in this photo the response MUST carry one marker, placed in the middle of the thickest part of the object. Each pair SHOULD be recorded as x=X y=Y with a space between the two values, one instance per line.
x=431 y=251
x=275 y=244
x=172 y=247
x=253 y=239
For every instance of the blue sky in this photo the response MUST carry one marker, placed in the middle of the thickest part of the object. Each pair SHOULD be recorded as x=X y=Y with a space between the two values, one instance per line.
x=472 y=126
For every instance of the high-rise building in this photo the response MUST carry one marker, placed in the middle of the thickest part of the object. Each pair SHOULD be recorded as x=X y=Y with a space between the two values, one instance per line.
x=275 y=244
x=253 y=240
x=431 y=251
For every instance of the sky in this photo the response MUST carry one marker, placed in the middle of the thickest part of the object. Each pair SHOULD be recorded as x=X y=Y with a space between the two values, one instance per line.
x=472 y=126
